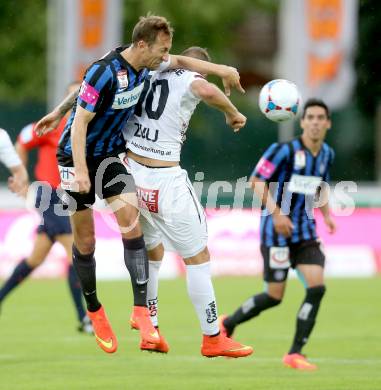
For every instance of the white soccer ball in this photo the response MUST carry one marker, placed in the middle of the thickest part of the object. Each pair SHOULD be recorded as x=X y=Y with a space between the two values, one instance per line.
x=280 y=100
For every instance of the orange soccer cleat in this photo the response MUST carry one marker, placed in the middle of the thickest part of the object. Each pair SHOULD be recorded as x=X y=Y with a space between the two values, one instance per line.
x=161 y=347
x=103 y=332
x=221 y=345
x=140 y=319
x=298 y=361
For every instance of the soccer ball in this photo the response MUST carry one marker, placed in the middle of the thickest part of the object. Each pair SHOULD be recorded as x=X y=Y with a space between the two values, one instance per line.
x=279 y=100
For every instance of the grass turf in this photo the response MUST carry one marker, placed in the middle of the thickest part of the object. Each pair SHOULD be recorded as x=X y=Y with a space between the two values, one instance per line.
x=40 y=348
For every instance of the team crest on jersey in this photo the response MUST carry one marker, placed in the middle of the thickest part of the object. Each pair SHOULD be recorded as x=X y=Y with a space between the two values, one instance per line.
x=300 y=159
x=122 y=79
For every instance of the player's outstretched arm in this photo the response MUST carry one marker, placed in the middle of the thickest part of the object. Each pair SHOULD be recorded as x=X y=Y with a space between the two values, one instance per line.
x=50 y=121
x=213 y=96
x=229 y=75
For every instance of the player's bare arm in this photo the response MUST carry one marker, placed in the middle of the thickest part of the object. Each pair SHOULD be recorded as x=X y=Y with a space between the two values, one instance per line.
x=8 y=156
x=18 y=182
x=282 y=223
x=14 y=182
x=22 y=153
x=324 y=209
x=214 y=97
x=78 y=144
x=50 y=121
x=229 y=75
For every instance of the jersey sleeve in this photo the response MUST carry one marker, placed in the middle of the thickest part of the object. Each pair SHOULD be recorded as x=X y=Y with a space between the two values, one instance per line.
x=28 y=138
x=8 y=154
x=189 y=77
x=95 y=86
x=331 y=158
x=271 y=160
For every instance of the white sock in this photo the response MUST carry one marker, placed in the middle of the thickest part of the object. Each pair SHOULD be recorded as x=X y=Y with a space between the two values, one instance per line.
x=152 y=290
x=201 y=293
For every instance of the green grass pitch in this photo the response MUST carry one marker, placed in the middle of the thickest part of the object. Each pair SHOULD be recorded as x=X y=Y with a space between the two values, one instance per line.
x=40 y=348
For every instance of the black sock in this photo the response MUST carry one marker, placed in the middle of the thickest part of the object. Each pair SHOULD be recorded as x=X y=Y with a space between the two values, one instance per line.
x=305 y=320
x=85 y=267
x=136 y=259
x=76 y=292
x=22 y=270
x=251 y=308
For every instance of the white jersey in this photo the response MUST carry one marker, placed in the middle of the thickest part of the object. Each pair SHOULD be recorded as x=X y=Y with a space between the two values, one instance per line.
x=8 y=154
x=157 y=130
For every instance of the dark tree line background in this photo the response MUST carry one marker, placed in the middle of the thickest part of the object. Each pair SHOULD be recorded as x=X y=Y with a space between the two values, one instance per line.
x=369 y=57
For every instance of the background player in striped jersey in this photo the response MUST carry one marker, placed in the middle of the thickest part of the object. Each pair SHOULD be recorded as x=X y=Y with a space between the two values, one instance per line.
x=53 y=227
x=286 y=179
x=91 y=144
x=155 y=135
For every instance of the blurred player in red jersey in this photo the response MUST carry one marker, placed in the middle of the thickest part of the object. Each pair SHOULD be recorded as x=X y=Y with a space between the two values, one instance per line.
x=53 y=227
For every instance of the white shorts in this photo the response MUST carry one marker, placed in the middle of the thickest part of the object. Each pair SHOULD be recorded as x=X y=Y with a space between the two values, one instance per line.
x=170 y=211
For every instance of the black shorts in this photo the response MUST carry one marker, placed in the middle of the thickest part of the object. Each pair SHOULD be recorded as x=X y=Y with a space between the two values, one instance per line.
x=54 y=219
x=108 y=176
x=276 y=263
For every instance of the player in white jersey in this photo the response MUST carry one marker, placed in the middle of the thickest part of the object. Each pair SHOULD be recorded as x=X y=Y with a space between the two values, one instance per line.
x=169 y=206
x=9 y=157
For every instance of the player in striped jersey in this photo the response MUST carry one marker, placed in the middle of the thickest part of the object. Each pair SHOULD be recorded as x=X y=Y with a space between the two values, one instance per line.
x=286 y=179
x=91 y=157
